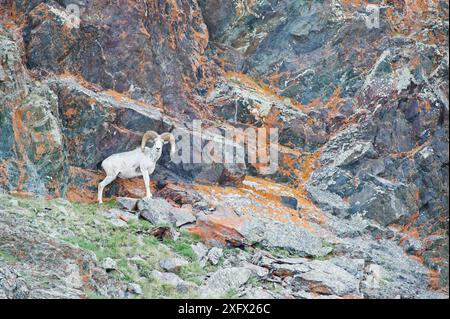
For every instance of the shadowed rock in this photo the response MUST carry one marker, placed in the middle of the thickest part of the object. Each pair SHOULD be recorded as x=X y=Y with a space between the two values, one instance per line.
x=224 y=280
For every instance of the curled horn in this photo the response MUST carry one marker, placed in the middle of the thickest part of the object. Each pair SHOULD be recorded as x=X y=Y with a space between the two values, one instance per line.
x=149 y=135
x=169 y=138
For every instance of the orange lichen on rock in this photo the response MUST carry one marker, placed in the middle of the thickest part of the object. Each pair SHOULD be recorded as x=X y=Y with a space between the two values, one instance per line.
x=291 y=170
x=78 y=78
x=133 y=187
x=309 y=164
x=412 y=152
x=19 y=129
x=333 y=103
x=272 y=119
x=71 y=112
x=40 y=150
x=425 y=106
x=119 y=97
x=258 y=86
x=220 y=229
x=84 y=193
x=317 y=102
x=227 y=229
x=4 y=172
x=434 y=279
x=409 y=229
x=406 y=17
x=356 y=3
x=264 y=200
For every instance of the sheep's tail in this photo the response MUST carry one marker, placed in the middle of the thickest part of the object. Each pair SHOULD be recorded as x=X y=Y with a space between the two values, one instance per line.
x=169 y=138
x=149 y=135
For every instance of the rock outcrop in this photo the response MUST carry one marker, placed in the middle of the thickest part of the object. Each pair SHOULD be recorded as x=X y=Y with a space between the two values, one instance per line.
x=115 y=253
x=359 y=98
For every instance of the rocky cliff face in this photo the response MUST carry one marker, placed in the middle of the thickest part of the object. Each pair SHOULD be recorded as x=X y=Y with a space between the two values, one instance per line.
x=361 y=106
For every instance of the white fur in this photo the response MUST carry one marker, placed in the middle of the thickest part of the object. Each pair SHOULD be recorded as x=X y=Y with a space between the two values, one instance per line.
x=132 y=164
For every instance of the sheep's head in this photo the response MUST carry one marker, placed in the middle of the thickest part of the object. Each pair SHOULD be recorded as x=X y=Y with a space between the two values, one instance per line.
x=159 y=141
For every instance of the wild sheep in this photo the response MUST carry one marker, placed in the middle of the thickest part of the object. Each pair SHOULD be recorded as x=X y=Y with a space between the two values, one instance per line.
x=139 y=162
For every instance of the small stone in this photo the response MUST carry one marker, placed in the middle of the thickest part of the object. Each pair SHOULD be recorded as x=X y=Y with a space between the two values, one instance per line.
x=243 y=256
x=134 y=288
x=167 y=278
x=214 y=255
x=73 y=278
x=109 y=264
x=329 y=201
x=172 y=264
x=327 y=279
x=292 y=238
x=155 y=210
x=308 y=295
x=286 y=281
x=324 y=251
x=154 y=218
x=185 y=287
x=201 y=205
x=286 y=270
x=167 y=233
x=118 y=223
x=160 y=212
x=375 y=231
x=115 y=213
x=226 y=279
x=353 y=266
x=358 y=151
x=291 y=260
x=14 y=202
x=200 y=251
x=127 y=203
x=373 y=277
x=412 y=246
x=257 y=270
x=290 y=202
x=182 y=216
x=137 y=259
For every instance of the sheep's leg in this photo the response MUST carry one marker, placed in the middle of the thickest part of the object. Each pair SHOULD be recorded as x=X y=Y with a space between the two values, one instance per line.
x=146 y=177
x=108 y=180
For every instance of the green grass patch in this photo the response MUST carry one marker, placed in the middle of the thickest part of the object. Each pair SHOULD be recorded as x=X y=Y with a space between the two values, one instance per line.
x=185 y=250
x=7 y=257
x=82 y=243
x=136 y=252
